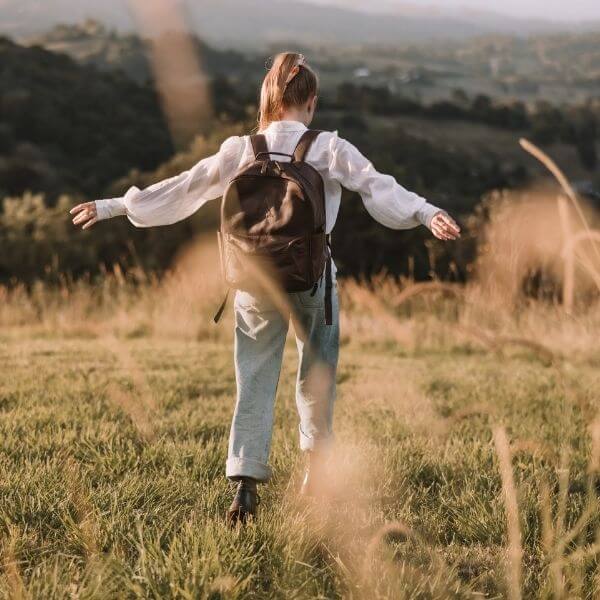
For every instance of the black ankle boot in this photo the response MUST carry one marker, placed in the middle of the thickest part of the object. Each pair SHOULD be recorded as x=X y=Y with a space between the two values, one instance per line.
x=244 y=502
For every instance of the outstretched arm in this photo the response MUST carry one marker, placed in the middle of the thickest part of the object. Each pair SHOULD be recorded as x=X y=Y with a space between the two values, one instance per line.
x=384 y=198
x=171 y=200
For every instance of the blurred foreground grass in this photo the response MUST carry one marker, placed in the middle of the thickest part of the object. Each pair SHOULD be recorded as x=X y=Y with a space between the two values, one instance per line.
x=113 y=441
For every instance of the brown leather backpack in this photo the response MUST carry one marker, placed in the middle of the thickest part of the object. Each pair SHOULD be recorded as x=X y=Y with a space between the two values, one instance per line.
x=273 y=224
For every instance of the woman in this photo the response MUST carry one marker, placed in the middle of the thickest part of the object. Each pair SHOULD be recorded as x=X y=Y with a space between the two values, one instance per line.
x=287 y=105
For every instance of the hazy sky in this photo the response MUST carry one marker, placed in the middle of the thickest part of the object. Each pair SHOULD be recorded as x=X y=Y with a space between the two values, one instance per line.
x=560 y=10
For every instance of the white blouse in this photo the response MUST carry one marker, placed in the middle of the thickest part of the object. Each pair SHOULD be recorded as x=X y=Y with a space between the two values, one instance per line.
x=337 y=160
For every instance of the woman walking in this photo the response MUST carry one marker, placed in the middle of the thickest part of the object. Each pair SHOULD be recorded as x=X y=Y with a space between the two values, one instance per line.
x=287 y=106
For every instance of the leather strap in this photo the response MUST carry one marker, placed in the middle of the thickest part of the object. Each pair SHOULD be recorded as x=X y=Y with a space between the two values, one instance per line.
x=221 y=310
x=259 y=144
x=328 y=293
x=328 y=286
x=308 y=137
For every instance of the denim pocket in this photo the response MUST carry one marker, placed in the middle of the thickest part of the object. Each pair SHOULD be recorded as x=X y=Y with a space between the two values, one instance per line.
x=308 y=300
x=254 y=302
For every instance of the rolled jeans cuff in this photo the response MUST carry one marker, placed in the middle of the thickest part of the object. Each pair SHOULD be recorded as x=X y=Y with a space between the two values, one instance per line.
x=310 y=444
x=247 y=467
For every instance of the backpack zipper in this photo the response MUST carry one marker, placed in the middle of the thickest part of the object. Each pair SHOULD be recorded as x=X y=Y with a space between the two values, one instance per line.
x=300 y=175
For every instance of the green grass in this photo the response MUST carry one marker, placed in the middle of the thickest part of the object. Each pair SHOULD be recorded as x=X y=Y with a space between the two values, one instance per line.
x=112 y=474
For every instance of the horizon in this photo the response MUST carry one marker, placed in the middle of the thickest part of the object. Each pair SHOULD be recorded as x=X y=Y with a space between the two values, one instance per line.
x=553 y=10
x=577 y=11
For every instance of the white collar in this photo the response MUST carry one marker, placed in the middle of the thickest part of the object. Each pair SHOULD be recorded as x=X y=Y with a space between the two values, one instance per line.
x=286 y=126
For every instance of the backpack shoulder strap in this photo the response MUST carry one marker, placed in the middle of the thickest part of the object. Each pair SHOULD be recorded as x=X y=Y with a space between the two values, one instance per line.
x=259 y=144
x=308 y=137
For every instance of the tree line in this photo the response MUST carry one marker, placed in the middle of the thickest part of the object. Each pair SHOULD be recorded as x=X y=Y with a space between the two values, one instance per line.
x=70 y=132
x=577 y=125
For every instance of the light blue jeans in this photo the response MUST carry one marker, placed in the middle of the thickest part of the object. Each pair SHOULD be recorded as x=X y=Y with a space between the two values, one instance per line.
x=260 y=334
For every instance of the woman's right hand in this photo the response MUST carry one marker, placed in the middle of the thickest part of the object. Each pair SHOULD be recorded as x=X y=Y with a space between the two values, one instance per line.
x=85 y=214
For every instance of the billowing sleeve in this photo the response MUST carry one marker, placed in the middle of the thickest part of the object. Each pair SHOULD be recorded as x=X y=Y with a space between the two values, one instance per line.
x=177 y=198
x=384 y=198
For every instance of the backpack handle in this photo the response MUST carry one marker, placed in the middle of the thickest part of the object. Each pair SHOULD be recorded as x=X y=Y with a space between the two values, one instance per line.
x=267 y=154
x=259 y=145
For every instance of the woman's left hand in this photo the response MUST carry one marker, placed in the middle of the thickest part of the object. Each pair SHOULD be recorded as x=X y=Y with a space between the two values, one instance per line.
x=444 y=227
x=85 y=214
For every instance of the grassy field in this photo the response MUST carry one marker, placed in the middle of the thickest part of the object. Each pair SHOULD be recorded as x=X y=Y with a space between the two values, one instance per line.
x=464 y=467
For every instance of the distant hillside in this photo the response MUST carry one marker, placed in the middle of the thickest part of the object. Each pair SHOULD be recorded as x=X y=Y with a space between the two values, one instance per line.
x=259 y=23
x=92 y=43
x=69 y=128
x=556 y=68
x=487 y=16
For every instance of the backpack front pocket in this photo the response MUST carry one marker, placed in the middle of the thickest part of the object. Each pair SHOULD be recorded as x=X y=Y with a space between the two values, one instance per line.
x=250 y=262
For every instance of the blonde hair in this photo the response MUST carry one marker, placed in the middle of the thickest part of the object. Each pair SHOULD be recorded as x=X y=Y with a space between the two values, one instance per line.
x=289 y=82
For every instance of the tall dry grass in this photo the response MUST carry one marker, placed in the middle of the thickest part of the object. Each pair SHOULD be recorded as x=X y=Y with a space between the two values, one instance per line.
x=178 y=74
x=493 y=314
